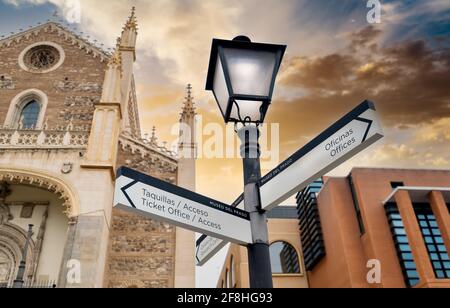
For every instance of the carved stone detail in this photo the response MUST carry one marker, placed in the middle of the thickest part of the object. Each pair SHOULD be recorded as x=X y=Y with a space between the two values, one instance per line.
x=43 y=138
x=6 y=82
x=35 y=180
x=67 y=168
x=5 y=214
x=67 y=35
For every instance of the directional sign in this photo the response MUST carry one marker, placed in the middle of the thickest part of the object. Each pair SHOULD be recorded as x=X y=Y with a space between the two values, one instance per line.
x=208 y=246
x=152 y=198
x=349 y=136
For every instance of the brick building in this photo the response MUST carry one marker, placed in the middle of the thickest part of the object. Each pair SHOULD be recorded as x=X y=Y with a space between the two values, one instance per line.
x=376 y=228
x=68 y=118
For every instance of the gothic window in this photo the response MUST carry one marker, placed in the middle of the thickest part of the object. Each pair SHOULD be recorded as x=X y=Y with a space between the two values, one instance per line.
x=30 y=115
x=41 y=57
x=27 y=110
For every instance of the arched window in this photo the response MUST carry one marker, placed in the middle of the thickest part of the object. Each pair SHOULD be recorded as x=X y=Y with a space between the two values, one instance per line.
x=284 y=258
x=30 y=115
x=27 y=110
x=232 y=273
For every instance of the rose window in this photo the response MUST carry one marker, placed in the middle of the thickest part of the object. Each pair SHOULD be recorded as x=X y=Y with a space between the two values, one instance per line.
x=41 y=58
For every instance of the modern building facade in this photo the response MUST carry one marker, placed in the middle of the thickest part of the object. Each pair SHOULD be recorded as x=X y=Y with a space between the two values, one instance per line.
x=376 y=228
x=68 y=119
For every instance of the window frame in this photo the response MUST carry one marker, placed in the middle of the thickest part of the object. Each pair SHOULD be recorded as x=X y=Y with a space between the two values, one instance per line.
x=299 y=260
x=62 y=57
x=233 y=281
x=227 y=279
x=19 y=102
x=31 y=116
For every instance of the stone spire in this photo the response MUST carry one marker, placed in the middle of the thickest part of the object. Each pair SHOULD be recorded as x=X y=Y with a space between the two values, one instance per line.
x=127 y=49
x=188 y=105
x=129 y=31
x=187 y=141
x=132 y=21
x=154 y=139
x=187 y=154
x=111 y=84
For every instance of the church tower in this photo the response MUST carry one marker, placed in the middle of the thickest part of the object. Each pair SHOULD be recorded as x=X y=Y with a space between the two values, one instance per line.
x=69 y=117
x=104 y=138
x=127 y=48
x=187 y=149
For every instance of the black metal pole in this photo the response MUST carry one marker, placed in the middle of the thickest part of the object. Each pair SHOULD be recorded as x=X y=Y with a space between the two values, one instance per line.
x=260 y=269
x=18 y=283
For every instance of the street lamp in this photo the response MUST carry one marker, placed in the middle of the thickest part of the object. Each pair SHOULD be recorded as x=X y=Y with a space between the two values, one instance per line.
x=242 y=78
x=19 y=281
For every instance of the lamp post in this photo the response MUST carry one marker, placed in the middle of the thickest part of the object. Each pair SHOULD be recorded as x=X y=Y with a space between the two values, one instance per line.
x=242 y=78
x=18 y=283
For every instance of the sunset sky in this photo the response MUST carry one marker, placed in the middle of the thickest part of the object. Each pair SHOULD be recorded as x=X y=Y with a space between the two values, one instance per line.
x=335 y=60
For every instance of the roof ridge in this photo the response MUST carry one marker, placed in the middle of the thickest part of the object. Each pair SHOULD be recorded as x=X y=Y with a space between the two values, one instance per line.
x=42 y=26
x=158 y=149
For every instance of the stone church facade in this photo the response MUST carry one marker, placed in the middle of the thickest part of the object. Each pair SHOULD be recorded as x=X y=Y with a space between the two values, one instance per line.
x=68 y=119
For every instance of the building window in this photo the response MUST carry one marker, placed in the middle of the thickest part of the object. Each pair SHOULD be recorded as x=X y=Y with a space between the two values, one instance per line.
x=233 y=273
x=41 y=57
x=284 y=259
x=30 y=115
x=27 y=110
x=310 y=225
x=433 y=240
x=227 y=279
x=395 y=185
x=362 y=228
x=402 y=245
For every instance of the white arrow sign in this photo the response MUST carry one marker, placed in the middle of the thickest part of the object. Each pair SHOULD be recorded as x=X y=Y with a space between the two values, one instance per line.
x=208 y=246
x=152 y=198
x=349 y=136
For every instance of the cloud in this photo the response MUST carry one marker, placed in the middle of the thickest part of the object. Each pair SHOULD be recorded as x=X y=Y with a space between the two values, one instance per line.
x=334 y=61
x=408 y=82
x=437 y=132
x=329 y=72
x=364 y=37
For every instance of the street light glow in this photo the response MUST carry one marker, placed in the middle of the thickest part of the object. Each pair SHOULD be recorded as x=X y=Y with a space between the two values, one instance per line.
x=242 y=77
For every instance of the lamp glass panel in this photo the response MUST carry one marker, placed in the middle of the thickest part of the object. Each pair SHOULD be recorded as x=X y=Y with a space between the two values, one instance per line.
x=251 y=72
x=247 y=109
x=220 y=88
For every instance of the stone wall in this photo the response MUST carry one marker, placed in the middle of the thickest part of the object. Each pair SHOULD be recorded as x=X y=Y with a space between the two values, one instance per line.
x=141 y=251
x=72 y=89
x=147 y=159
